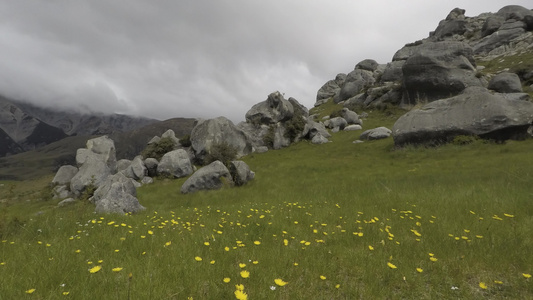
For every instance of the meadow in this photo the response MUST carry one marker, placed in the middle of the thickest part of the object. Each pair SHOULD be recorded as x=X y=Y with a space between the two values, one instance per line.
x=332 y=221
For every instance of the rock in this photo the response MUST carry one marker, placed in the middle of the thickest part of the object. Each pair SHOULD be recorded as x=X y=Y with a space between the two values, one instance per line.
x=474 y=112
x=93 y=172
x=216 y=131
x=147 y=180
x=515 y=96
x=515 y=12
x=497 y=39
x=393 y=71
x=240 y=172
x=330 y=89
x=273 y=110
x=105 y=148
x=528 y=20
x=64 y=175
x=175 y=163
x=355 y=82
x=66 y=202
x=61 y=192
x=123 y=164
x=154 y=140
x=299 y=109
x=137 y=168
x=255 y=134
x=455 y=23
x=171 y=135
x=506 y=83
x=337 y=122
x=437 y=70
x=376 y=134
x=491 y=25
x=280 y=138
x=261 y=149
x=210 y=177
x=319 y=139
x=351 y=117
x=368 y=65
x=352 y=127
x=313 y=128
x=151 y=166
x=117 y=195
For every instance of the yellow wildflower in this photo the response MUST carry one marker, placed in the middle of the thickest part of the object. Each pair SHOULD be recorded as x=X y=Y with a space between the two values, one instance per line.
x=370 y=248
x=526 y=276
x=242 y=265
x=322 y=277
x=240 y=295
x=95 y=269
x=483 y=285
x=280 y=282
x=391 y=265
x=198 y=258
x=30 y=291
x=239 y=287
x=419 y=270
x=117 y=269
x=226 y=280
x=245 y=274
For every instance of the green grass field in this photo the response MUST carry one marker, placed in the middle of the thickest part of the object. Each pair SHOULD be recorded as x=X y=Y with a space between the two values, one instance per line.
x=333 y=221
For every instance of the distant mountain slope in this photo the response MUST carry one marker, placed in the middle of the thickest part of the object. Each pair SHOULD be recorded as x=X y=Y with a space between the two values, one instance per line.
x=8 y=145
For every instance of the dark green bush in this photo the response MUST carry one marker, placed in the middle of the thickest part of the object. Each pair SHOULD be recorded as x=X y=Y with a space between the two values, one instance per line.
x=157 y=150
x=294 y=126
x=185 y=141
x=222 y=152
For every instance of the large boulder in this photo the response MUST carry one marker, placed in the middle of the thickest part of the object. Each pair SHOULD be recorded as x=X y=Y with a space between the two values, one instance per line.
x=393 y=71
x=437 y=70
x=125 y=183
x=151 y=166
x=515 y=12
x=175 y=163
x=455 y=23
x=64 y=175
x=508 y=31
x=105 y=148
x=355 y=82
x=474 y=112
x=506 y=83
x=136 y=170
x=351 y=117
x=93 y=172
x=117 y=195
x=330 y=89
x=210 y=177
x=274 y=109
x=491 y=25
x=313 y=128
x=209 y=133
x=367 y=64
x=240 y=172
x=338 y=122
x=170 y=134
x=376 y=134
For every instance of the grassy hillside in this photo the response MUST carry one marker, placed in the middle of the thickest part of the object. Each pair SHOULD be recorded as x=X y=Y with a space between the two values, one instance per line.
x=334 y=221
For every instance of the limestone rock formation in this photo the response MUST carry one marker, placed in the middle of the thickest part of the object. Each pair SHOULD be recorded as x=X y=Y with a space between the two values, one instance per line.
x=240 y=172
x=175 y=163
x=210 y=177
x=273 y=110
x=506 y=83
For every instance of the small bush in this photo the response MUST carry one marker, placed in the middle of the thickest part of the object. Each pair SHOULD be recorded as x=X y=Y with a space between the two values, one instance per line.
x=294 y=126
x=222 y=152
x=157 y=150
x=464 y=139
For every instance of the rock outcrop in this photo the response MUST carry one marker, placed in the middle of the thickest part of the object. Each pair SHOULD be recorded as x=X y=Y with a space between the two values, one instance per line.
x=474 y=112
x=175 y=164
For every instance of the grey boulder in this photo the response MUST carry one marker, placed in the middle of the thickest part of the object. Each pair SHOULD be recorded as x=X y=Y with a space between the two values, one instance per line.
x=474 y=112
x=175 y=163
x=354 y=83
x=506 y=83
x=210 y=177
x=274 y=109
x=376 y=134
x=240 y=172
x=117 y=195
x=64 y=175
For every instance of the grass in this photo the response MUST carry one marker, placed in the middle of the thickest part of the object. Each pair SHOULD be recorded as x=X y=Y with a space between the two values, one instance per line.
x=362 y=216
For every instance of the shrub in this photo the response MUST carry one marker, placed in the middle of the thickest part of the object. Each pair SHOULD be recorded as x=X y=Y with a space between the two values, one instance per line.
x=222 y=152
x=294 y=126
x=464 y=139
x=157 y=150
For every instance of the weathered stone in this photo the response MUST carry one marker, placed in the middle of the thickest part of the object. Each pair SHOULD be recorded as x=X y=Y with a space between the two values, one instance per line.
x=261 y=149
x=351 y=117
x=506 y=82
x=94 y=171
x=170 y=134
x=353 y=128
x=280 y=138
x=64 y=175
x=474 y=112
x=126 y=185
x=454 y=24
x=368 y=65
x=274 y=109
x=240 y=172
x=137 y=168
x=151 y=166
x=515 y=12
x=298 y=108
x=61 y=192
x=393 y=71
x=491 y=25
x=210 y=177
x=123 y=164
x=66 y=202
x=118 y=202
x=154 y=140
x=147 y=180
x=376 y=134
x=497 y=39
x=175 y=163
x=209 y=133
x=105 y=148
x=355 y=82
x=313 y=128
x=330 y=89
x=337 y=122
x=319 y=139
x=437 y=70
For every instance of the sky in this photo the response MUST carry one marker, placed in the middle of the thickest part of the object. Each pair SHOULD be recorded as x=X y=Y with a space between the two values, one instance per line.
x=200 y=59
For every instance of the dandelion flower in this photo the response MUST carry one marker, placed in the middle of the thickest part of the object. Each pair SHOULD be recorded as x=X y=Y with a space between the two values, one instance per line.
x=66 y=293
x=242 y=265
x=280 y=282
x=30 y=291
x=419 y=270
x=226 y=280
x=206 y=243
x=212 y=262
x=498 y=281
x=391 y=265
x=483 y=285
x=78 y=251
x=337 y=286
x=226 y=249
x=245 y=274
x=198 y=258
x=526 y=276
x=95 y=269
x=240 y=295
x=433 y=259
x=117 y=269
x=150 y=232
x=168 y=243
x=255 y=262
x=257 y=243
x=370 y=248
x=322 y=277
x=239 y=287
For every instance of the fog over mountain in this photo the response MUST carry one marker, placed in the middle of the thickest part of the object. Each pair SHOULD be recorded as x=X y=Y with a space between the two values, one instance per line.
x=169 y=59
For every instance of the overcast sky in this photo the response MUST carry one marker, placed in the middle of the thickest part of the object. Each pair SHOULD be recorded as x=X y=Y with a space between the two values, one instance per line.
x=194 y=58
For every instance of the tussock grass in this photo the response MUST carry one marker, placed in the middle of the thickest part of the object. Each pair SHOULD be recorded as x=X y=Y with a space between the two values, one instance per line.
x=469 y=206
